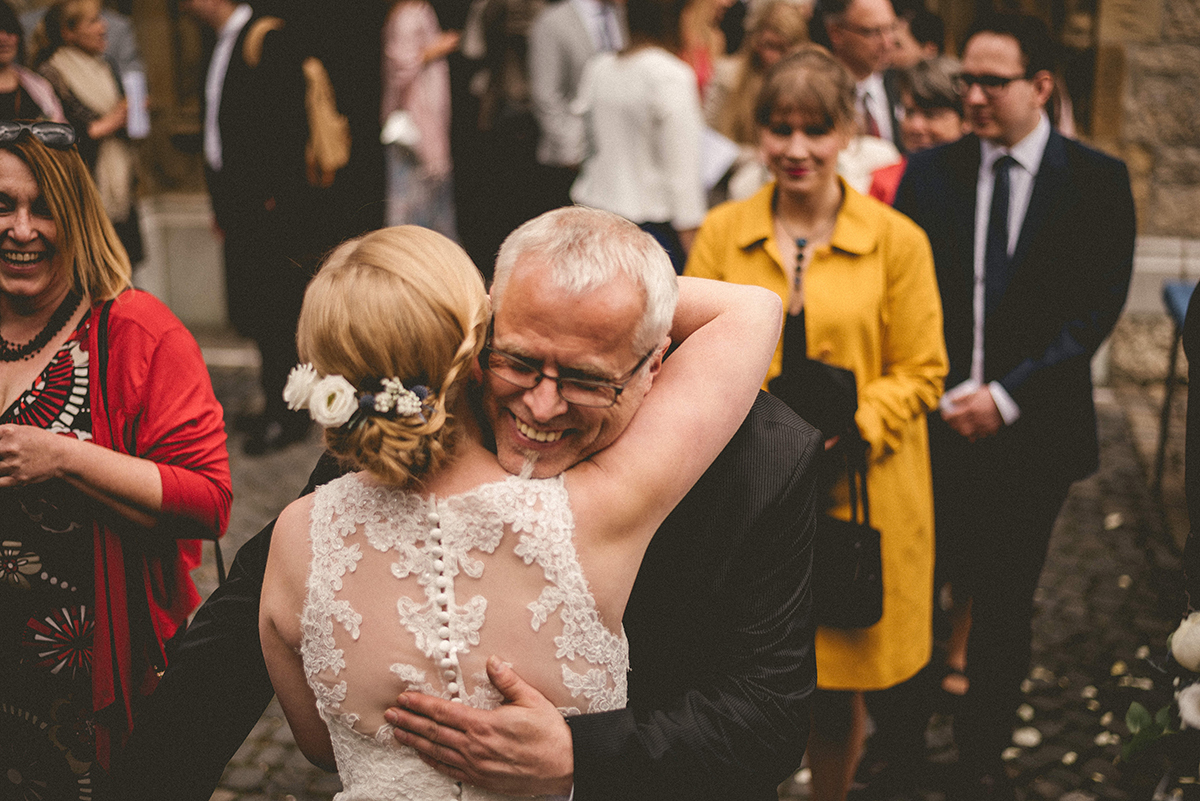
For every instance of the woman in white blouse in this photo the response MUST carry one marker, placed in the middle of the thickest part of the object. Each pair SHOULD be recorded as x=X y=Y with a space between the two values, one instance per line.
x=641 y=109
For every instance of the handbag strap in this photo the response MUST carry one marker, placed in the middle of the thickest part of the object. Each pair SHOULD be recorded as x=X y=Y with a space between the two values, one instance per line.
x=102 y=358
x=855 y=451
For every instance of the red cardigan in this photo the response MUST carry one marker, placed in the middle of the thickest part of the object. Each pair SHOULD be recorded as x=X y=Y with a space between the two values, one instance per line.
x=886 y=180
x=159 y=406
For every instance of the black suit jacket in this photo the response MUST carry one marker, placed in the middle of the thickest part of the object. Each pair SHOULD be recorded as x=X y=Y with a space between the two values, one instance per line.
x=720 y=630
x=263 y=129
x=1067 y=283
x=891 y=90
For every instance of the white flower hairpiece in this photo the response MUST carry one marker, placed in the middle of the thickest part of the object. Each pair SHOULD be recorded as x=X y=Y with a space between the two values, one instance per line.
x=333 y=401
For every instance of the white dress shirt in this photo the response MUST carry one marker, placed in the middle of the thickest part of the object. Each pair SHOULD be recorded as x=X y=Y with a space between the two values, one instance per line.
x=600 y=19
x=1028 y=155
x=871 y=95
x=217 y=67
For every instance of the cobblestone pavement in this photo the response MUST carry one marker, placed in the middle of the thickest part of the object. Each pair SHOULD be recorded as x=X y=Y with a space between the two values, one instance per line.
x=1110 y=595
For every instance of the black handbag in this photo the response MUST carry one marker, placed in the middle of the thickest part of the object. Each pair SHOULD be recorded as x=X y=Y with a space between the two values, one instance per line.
x=824 y=395
x=847 y=566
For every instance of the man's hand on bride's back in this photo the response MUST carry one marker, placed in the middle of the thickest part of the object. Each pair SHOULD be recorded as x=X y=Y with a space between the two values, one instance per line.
x=521 y=748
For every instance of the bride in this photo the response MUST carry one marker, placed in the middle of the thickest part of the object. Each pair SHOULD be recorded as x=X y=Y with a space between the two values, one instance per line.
x=410 y=573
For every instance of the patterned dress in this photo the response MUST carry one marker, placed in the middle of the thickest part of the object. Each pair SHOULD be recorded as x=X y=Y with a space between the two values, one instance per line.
x=47 y=745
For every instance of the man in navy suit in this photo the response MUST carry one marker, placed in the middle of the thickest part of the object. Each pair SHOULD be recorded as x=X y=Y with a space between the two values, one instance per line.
x=1033 y=239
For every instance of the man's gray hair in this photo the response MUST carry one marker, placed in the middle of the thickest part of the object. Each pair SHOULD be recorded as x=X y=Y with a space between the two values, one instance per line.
x=586 y=249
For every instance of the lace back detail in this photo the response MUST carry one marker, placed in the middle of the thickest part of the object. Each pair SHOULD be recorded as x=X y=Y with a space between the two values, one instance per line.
x=414 y=593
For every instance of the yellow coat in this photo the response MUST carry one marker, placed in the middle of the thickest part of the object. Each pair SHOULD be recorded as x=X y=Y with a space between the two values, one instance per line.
x=871 y=306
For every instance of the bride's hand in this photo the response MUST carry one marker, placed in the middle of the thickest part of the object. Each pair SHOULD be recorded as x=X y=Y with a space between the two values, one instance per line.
x=520 y=748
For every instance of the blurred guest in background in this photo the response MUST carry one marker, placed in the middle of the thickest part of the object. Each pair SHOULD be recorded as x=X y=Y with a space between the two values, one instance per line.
x=858 y=284
x=776 y=28
x=1191 y=558
x=701 y=40
x=920 y=34
x=861 y=34
x=641 y=112
x=254 y=139
x=563 y=38
x=415 y=116
x=24 y=94
x=933 y=115
x=72 y=40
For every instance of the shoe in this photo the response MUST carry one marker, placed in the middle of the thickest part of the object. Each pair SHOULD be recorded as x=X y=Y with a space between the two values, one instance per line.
x=274 y=436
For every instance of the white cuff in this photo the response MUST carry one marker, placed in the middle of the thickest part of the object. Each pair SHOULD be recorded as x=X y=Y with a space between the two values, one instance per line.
x=1009 y=410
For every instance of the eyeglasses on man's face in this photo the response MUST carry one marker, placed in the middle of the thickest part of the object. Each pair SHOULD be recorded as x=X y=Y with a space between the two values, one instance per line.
x=878 y=32
x=57 y=135
x=524 y=373
x=991 y=85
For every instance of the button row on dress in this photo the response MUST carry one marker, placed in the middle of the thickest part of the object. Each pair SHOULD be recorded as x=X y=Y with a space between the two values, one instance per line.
x=449 y=658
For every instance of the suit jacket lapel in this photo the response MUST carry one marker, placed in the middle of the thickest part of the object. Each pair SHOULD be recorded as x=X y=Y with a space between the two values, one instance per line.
x=1051 y=178
x=962 y=206
x=957 y=277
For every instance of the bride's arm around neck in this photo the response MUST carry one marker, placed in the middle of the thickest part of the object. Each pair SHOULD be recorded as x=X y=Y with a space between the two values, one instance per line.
x=726 y=335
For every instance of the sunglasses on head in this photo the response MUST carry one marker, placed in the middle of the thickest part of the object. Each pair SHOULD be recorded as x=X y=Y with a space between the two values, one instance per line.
x=57 y=135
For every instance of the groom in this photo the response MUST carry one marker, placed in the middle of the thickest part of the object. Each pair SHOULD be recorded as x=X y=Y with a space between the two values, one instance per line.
x=719 y=620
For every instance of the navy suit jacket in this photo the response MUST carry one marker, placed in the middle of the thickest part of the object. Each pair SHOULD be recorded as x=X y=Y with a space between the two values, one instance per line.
x=1067 y=283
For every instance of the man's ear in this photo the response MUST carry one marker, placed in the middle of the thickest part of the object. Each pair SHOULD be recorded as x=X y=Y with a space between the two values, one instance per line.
x=1043 y=84
x=834 y=33
x=656 y=361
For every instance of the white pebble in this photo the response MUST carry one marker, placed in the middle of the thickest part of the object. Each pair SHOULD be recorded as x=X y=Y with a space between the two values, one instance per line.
x=1027 y=737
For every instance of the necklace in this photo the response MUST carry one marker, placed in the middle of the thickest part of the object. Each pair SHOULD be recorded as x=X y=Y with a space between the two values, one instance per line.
x=802 y=243
x=10 y=352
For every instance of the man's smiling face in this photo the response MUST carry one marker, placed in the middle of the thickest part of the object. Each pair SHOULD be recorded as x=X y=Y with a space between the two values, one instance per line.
x=590 y=335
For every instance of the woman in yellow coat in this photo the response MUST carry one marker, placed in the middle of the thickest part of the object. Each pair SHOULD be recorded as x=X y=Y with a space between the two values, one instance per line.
x=858 y=277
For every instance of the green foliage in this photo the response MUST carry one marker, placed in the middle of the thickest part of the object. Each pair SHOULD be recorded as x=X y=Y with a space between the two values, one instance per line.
x=1145 y=730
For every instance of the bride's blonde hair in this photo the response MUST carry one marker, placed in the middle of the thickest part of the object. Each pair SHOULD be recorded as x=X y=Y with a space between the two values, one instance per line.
x=405 y=303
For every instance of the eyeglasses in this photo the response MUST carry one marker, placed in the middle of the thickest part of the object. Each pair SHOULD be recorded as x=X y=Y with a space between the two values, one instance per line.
x=57 y=135
x=878 y=32
x=991 y=85
x=590 y=392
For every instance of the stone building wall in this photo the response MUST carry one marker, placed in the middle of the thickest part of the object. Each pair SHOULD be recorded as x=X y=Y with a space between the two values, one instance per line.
x=1148 y=112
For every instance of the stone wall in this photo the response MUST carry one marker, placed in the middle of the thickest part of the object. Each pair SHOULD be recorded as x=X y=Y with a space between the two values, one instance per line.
x=1160 y=115
x=1148 y=111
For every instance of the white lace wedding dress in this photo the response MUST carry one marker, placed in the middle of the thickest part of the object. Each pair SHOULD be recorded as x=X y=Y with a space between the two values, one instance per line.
x=414 y=593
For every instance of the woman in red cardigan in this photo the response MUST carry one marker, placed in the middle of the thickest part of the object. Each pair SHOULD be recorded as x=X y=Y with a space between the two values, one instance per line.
x=112 y=453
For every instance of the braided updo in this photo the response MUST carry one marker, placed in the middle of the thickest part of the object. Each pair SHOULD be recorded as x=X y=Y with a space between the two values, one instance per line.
x=401 y=302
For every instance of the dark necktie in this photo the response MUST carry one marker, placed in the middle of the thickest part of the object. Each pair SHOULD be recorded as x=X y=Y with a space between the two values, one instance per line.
x=995 y=258
x=870 y=125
